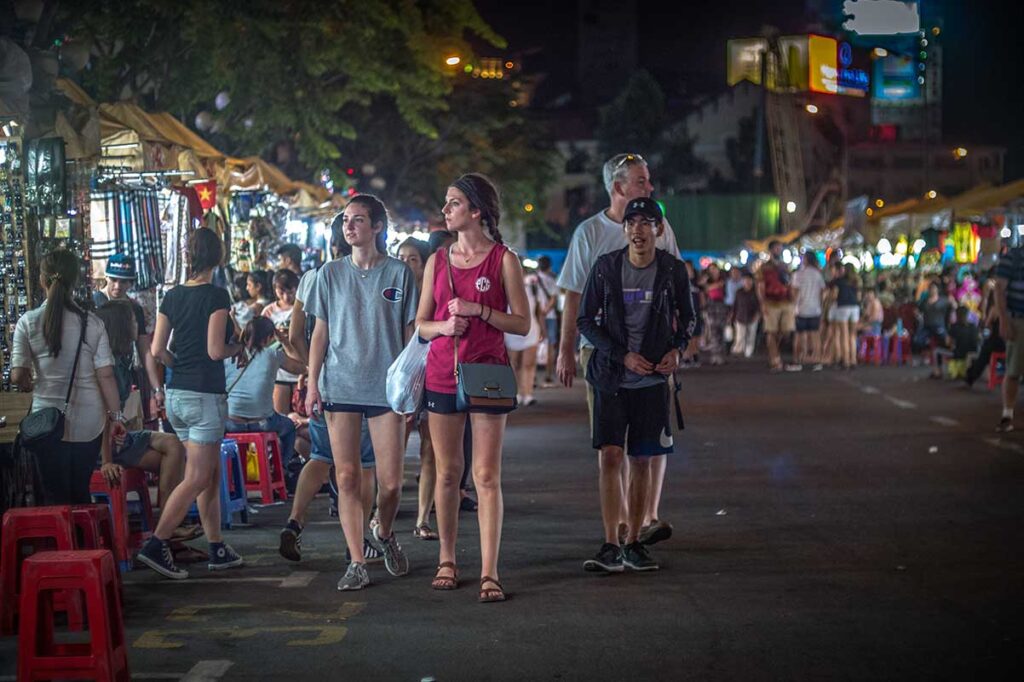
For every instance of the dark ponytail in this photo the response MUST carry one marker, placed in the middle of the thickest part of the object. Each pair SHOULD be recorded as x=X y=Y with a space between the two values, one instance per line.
x=378 y=214
x=205 y=251
x=483 y=196
x=59 y=270
x=256 y=333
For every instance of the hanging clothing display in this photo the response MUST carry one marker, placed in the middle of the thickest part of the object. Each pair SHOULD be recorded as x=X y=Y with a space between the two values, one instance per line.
x=127 y=220
x=45 y=183
x=176 y=225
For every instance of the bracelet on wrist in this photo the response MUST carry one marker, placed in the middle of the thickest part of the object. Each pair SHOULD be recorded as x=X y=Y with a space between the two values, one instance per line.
x=115 y=416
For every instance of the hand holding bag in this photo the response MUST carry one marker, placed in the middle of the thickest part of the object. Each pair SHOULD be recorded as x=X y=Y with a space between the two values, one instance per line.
x=45 y=428
x=481 y=387
x=407 y=375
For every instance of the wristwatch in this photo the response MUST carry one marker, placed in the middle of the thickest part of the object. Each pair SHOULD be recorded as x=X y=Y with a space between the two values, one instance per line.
x=117 y=416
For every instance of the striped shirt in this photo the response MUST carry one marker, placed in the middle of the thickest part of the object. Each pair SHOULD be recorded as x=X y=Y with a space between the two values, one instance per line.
x=1011 y=268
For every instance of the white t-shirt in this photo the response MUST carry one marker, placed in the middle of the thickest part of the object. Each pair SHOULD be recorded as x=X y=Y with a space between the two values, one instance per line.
x=809 y=283
x=594 y=237
x=86 y=415
x=547 y=288
x=516 y=342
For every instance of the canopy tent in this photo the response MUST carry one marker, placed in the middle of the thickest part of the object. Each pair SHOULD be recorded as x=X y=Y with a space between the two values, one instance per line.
x=253 y=173
x=758 y=245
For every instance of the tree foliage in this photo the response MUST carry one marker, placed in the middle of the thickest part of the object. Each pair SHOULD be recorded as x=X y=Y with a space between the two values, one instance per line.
x=299 y=71
x=638 y=121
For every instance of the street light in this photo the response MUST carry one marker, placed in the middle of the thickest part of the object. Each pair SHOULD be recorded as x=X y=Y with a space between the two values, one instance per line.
x=453 y=60
x=960 y=152
x=879 y=203
x=811 y=109
x=932 y=194
x=790 y=207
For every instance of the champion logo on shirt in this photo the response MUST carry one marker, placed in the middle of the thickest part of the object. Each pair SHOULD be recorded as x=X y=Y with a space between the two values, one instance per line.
x=393 y=294
x=483 y=285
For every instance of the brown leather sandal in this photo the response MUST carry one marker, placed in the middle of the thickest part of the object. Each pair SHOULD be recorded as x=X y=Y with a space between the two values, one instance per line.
x=446 y=583
x=491 y=594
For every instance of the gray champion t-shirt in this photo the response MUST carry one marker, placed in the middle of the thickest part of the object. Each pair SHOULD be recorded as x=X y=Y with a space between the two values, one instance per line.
x=637 y=297
x=366 y=312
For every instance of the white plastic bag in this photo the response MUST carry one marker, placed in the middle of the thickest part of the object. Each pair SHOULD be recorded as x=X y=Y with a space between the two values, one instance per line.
x=406 y=376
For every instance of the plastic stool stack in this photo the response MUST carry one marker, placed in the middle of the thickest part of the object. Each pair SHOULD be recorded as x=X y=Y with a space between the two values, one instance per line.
x=42 y=529
x=271 y=466
x=93 y=573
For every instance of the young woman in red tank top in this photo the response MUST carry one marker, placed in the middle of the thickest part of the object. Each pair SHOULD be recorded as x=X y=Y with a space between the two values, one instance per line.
x=488 y=282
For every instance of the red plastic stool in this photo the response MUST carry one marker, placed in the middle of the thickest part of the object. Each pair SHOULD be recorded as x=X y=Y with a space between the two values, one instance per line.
x=37 y=529
x=271 y=466
x=900 y=349
x=94 y=527
x=870 y=349
x=994 y=376
x=130 y=530
x=91 y=571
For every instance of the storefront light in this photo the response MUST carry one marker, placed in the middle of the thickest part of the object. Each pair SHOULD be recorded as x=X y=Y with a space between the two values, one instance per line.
x=787 y=257
x=744 y=257
x=790 y=207
x=932 y=194
x=851 y=260
x=918 y=246
x=1005 y=233
x=884 y=246
x=1020 y=229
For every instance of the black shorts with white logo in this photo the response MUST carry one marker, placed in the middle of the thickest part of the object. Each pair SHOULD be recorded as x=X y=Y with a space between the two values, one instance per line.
x=639 y=415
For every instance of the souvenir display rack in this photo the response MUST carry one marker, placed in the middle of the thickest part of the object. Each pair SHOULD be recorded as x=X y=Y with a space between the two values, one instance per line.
x=17 y=286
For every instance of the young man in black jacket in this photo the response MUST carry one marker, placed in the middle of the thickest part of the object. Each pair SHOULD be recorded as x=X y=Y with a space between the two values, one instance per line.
x=637 y=311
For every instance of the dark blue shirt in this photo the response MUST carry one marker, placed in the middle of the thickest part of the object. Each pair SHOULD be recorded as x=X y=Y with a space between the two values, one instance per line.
x=1011 y=268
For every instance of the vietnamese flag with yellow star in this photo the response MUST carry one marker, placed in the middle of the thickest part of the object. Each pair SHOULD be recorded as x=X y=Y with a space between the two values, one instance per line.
x=207 y=192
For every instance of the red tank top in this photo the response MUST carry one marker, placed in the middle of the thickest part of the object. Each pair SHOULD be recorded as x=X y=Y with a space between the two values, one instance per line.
x=481 y=343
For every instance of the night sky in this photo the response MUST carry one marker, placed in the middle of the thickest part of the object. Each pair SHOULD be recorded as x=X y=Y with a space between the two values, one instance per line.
x=683 y=45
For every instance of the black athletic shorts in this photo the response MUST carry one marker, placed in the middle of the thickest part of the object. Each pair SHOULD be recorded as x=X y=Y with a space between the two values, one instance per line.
x=368 y=411
x=441 y=403
x=639 y=415
x=808 y=324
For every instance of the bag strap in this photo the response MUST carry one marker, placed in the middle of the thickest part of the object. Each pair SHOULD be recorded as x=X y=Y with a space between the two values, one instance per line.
x=451 y=288
x=74 y=367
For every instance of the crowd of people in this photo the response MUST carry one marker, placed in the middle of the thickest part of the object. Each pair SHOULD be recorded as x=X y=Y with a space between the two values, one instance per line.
x=306 y=354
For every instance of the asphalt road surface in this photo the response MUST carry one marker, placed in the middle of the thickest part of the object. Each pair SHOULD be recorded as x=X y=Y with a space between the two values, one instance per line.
x=857 y=525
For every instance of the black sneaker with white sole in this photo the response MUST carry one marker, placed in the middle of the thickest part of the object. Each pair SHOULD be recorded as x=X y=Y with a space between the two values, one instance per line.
x=607 y=560
x=371 y=552
x=157 y=555
x=636 y=557
x=222 y=557
x=1005 y=425
x=290 y=546
x=658 y=531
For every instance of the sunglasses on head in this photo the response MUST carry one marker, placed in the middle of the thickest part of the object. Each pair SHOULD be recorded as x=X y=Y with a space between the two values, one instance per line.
x=628 y=158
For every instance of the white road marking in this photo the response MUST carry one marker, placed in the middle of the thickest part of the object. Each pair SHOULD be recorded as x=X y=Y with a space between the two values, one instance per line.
x=1013 y=447
x=902 y=404
x=870 y=390
x=207 y=671
x=295 y=579
x=945 y=421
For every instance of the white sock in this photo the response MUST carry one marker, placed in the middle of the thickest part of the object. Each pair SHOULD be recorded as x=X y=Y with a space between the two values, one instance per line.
x=1007 y=413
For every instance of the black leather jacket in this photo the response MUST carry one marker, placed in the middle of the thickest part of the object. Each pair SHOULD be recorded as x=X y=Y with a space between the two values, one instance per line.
x=602 y=316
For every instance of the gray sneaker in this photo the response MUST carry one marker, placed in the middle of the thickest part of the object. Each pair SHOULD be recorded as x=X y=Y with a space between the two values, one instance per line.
x=355 y=578
x=394 y=558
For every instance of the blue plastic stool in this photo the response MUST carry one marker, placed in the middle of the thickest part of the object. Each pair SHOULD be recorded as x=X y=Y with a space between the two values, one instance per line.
x=232 y=486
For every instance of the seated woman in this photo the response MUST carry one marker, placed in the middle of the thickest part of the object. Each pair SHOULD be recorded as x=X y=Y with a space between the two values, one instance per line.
x=251 y=388
x=153 y=451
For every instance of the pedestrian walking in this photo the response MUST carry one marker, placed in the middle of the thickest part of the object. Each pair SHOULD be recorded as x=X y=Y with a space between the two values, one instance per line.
x=363 y=304
x=775 y=296
x=808 y=290
x=473 y=295
x=1010 y=303
x=523 y=349
x=62 y=355
x=197 y=314
x=638 y=312
x=845 y=315
x=626 y=177
x=547 y=291
x=746 y=317
x=414 y=253
x=285 y=283
x=317 y=470
x=716 y=313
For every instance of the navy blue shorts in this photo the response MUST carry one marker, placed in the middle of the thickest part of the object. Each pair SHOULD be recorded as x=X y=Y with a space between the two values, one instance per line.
x=808 y=324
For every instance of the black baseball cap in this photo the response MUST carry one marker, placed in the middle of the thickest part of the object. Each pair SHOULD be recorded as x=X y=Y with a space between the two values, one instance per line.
x=646 y=207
